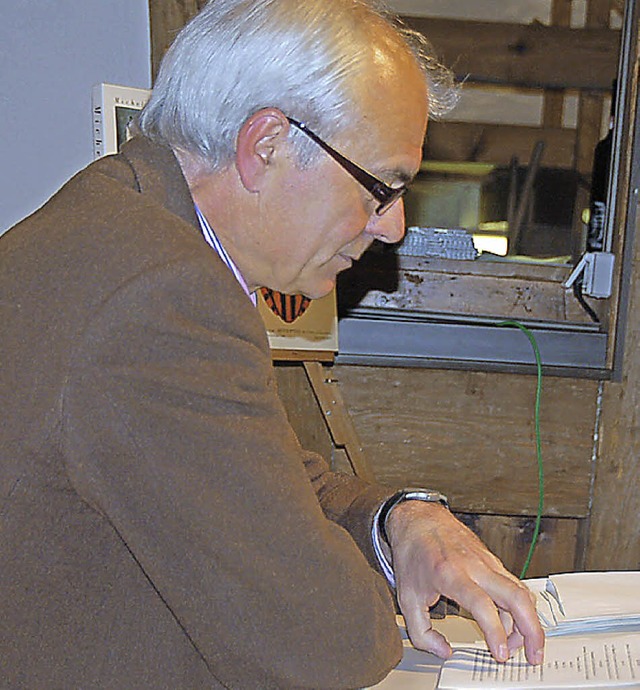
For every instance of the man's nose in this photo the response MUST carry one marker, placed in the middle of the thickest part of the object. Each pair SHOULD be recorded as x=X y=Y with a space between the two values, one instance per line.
x=389 y=227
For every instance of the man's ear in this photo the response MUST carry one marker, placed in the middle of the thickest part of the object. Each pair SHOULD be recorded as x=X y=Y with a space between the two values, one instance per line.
x=257 y=144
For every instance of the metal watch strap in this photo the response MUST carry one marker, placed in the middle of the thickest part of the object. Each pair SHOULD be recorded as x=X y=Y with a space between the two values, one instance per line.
x=426 y=495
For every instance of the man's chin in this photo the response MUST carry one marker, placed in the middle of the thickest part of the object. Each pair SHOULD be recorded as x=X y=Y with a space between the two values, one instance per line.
x=314 y=286
x=319 y=294
x=319 y=291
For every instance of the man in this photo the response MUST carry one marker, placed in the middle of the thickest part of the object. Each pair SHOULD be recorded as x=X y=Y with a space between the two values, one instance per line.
x=161 y=526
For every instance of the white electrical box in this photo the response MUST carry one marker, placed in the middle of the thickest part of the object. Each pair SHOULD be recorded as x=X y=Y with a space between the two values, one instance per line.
x=596 y=269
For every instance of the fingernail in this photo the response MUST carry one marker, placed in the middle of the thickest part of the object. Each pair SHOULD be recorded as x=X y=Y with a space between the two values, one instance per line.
x=503 y=653
x=538 y=657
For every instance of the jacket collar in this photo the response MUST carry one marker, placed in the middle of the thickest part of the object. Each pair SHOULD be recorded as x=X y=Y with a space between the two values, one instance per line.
x=157 y=173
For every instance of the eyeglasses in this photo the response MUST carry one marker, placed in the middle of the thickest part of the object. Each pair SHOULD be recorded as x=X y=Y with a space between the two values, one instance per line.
x=381 y=192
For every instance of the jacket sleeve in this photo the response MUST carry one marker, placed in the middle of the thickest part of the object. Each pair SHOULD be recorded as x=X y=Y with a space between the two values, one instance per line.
x=174 y=432
x=348 y=501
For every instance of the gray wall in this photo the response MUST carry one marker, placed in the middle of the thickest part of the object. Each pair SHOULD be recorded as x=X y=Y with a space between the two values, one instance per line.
x=51 y=54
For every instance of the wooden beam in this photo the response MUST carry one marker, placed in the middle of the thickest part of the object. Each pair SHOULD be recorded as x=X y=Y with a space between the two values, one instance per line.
x=489 y=143
x=589 y=131
x=590 y=104
x=531 y=56
x=448 y=286
x=618 y=7
x=337 y=418
x=303 y=412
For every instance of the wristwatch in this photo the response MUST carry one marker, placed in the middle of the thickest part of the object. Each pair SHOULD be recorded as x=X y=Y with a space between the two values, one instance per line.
x=411 y=494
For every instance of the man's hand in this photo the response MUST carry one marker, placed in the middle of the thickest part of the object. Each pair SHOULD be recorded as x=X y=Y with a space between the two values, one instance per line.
x=435 y=555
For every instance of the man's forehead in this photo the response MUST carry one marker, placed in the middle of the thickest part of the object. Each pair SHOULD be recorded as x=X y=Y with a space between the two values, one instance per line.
x=394 y=131
x=390 y=89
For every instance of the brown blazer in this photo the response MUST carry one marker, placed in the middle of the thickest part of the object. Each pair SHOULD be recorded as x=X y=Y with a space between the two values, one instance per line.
x=160 y=526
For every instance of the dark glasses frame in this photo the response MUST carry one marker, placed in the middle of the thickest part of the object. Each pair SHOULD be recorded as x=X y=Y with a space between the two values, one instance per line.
x=381 y=192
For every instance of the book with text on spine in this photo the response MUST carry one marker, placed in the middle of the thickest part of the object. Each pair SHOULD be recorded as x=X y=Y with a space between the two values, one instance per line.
x=114 y=109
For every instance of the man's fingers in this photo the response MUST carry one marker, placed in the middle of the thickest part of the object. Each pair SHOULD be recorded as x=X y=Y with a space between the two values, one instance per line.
x=436 y=643
x=502 y=608
x=485 y=613
x=520 y=603
x=424 y=637
x=418 y=621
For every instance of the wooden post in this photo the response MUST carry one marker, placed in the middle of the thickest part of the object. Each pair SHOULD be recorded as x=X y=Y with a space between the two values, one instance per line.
x=553 y=106
x=614 y=534
x=590 y=103
x=337 y=418
x=167 y=17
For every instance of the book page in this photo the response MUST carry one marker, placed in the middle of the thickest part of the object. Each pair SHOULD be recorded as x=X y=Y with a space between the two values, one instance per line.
x=576 y=603
x=584 y=596
x=590 y=661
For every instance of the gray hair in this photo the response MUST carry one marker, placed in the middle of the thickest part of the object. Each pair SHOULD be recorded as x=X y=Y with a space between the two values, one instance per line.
x=301 y=56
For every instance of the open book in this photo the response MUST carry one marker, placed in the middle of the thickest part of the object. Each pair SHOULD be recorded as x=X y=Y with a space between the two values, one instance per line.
x=592 y=623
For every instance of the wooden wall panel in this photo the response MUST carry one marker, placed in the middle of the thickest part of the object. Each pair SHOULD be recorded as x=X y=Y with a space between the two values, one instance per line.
x=471 y=435
x=508 y=536
x=510 y=539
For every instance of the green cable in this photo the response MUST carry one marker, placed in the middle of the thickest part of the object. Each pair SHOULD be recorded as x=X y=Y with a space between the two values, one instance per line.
x=536 y=352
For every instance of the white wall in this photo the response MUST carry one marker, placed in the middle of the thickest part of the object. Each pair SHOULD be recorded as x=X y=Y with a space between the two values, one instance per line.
x=51 y=54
